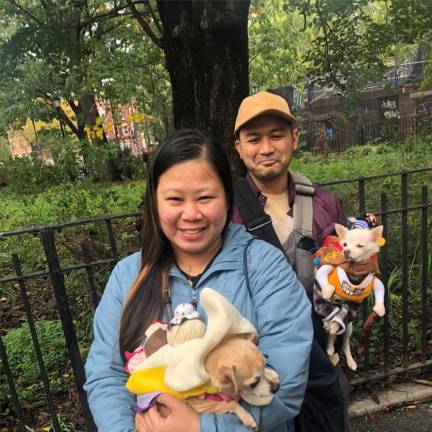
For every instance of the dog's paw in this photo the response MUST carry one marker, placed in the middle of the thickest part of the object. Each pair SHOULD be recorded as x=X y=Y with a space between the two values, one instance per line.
x=271 y=375
x=248 y=420
x=379 y=309
x=327 y=290
x=351 y=363
x=330 y=350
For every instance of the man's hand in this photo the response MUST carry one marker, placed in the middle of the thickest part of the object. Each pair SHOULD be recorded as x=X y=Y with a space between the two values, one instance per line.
x=176 y=416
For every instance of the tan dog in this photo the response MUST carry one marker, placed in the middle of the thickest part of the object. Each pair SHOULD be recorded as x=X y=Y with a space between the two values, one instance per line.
x=237 y=367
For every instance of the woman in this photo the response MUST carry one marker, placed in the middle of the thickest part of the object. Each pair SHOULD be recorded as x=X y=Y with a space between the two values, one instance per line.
x=187 y=244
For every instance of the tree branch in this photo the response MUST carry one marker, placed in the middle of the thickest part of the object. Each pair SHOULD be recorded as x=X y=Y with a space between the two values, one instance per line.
x=144 y=24
x=154 y=17
x=68 y=121
x=326 y=43
x=26 y=12
x=62 y=114
x=304 y=11
x=110 y=14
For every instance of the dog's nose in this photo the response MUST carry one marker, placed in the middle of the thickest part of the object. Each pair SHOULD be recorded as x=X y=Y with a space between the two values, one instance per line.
x=274 y=387
x=346 y=253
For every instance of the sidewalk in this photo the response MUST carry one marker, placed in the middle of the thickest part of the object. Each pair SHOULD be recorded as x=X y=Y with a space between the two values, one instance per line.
x=396 y=395
x=404 y=407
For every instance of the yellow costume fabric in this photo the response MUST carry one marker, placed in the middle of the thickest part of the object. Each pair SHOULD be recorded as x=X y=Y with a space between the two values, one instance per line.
x=152 y=380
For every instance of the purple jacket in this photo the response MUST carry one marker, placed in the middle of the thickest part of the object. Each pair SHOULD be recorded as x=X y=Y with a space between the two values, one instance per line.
x=326 y=209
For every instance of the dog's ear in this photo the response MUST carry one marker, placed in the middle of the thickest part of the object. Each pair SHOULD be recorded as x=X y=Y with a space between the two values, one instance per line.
x=227 y=379
x=376 y=233
x=340 y=230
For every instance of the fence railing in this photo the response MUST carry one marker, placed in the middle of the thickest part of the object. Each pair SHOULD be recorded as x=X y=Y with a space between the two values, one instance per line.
x=407 y=227
x=336 y=135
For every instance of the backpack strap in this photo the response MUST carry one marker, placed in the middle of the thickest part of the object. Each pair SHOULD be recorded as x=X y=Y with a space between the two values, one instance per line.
x=246 y=274
x=303 y=210
x=246 y=269
x=257 y=222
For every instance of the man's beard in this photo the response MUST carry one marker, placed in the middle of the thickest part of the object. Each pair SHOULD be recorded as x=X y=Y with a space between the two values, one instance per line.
x=269 y=174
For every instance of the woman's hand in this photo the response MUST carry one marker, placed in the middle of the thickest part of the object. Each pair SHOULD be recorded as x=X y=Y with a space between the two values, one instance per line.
x=177 y=416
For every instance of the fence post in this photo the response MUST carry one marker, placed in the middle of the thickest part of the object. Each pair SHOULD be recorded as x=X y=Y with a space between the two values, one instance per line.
x=15 y=401
x=90 y=278
x=384 y=273
x=39 y=358
x=404 y=266
x=57 y=278
x=111 y=238
x=362 y=211
x=424 y=269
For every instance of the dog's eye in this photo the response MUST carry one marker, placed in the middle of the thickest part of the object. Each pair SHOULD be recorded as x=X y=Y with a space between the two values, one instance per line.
x=253 y=385
x=360 y=246
x=345 y=244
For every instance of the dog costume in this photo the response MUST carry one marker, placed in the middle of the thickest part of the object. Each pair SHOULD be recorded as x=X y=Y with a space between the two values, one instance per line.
x=179 y=369
x=353 y=281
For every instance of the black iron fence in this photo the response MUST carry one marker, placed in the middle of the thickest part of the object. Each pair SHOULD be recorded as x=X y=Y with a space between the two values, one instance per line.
x=58 y=272
x=335 y=135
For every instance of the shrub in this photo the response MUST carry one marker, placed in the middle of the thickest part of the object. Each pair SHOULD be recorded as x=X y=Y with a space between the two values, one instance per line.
x=73 y=162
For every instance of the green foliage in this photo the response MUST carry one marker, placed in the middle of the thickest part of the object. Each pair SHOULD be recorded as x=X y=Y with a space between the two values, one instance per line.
x=356 y=41
x=366 y=160
x=78 y=51
x=277 y=45
x=23 y=364
x=74 y=161
x=67 y=202
x=4 y=151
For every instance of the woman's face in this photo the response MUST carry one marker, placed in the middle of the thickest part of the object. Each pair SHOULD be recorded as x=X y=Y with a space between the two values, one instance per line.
x=192 y=209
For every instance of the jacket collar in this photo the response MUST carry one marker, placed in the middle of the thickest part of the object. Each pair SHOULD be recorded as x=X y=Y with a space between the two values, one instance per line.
x=262 y=198
x=229 y=258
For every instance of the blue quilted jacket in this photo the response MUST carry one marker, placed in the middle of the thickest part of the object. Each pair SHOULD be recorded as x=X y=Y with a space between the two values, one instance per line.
x=276 y=304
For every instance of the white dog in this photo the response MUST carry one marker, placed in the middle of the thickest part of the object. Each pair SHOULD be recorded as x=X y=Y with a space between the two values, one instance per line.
x=345 y=282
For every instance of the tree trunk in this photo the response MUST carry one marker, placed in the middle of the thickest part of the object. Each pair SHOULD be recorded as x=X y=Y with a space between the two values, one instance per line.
x=206 y=54
x=88 y=115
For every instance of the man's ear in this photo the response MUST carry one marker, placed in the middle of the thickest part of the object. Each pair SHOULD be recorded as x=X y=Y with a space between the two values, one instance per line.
x=340 y=230
x=238 y=147
x=376 y=233
x=228 y=380
x=295 y=136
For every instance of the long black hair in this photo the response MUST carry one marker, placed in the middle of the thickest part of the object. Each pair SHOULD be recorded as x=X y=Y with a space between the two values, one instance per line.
x=145 y=302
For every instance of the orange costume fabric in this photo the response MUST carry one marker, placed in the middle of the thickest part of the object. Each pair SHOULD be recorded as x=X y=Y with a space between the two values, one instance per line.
x=354 y=294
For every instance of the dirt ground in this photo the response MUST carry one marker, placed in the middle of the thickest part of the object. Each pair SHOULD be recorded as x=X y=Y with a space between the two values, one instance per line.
x=416 y=417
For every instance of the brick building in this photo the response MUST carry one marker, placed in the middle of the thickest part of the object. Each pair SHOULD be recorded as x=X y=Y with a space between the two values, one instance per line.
x=122 y=127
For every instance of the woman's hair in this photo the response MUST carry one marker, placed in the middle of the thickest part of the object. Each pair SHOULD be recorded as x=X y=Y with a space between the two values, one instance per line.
x=146 y=299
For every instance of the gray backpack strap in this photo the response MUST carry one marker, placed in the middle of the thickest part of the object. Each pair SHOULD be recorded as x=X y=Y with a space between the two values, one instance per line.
x=303 y=210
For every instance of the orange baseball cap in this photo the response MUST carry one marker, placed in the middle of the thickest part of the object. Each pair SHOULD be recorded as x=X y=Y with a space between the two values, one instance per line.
x=262 y=103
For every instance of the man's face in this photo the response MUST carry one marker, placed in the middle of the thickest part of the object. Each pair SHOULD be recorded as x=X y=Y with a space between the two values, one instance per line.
x=266 y=146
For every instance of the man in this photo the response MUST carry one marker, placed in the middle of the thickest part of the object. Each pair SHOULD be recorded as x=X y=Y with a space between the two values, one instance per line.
x=266 y=138
x=301 y=216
